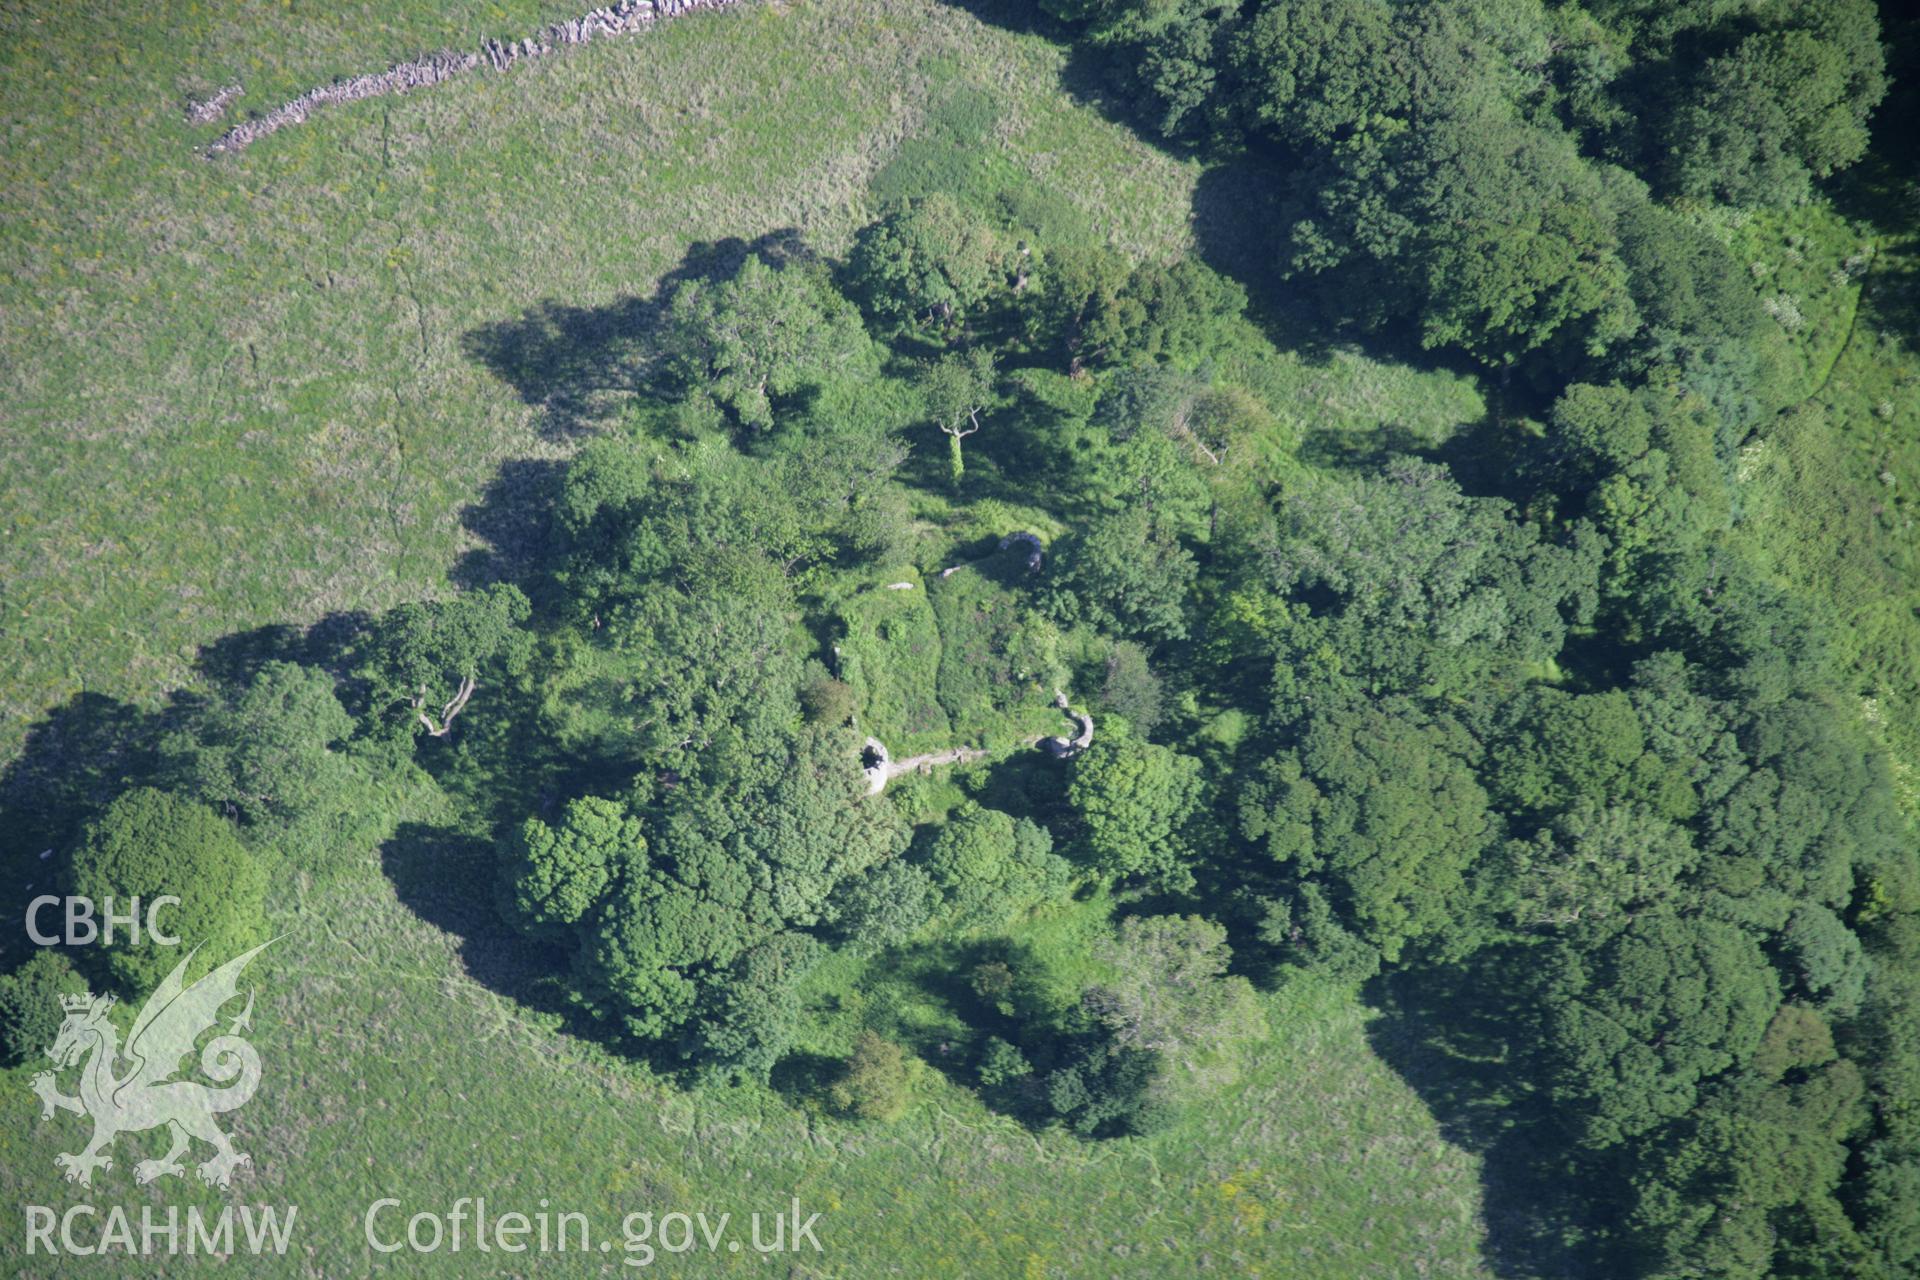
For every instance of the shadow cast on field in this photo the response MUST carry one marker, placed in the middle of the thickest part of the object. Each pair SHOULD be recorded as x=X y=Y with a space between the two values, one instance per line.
x=1448 y=1034
x=578 y=366
x=803 y=1078
x=74 y=760
x=942 y=1017
x=1486 y=457
x=82 y=753
x=235 y=658
x=943 y=1023
x=1880 y=191
x=1237 y=203
x=1878 y=195
x=442 y=876
x=1243 y=203
x=511 y=519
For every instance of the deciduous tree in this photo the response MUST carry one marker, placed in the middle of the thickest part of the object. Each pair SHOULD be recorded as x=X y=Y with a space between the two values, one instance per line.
x=1636 y=1026
x=151 y=844
x=928 y=263
x=1133 y=800
x=429 y=658
x=765 y=333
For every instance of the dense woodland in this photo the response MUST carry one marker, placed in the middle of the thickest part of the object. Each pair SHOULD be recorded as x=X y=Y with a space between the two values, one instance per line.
x=1527 y=730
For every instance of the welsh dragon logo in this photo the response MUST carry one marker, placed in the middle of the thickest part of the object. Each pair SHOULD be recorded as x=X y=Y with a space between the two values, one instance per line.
x=145 y=1093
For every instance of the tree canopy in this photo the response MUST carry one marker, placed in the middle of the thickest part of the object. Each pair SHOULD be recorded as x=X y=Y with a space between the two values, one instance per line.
x=929 y=263
x=151 y=844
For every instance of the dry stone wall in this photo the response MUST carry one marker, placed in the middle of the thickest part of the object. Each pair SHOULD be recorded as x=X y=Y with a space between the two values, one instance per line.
x=212 y=107
x=620 y=18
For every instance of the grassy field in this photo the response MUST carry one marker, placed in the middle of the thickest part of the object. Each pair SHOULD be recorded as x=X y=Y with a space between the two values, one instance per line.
x=327 y=375
x=393 y=1071
x=324 y=375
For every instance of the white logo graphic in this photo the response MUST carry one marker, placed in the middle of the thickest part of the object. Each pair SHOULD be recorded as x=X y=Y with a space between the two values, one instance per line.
x=146 y=1094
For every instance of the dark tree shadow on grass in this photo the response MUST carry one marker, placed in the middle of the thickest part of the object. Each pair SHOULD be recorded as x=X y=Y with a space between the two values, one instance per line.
x=1241 y=214
x=953 y=1020
x=1487 y=458
x=1237 y=213
x=580 y=365
x=235 y=658
x=1883 y=190
x=940 y=973
x=804 y=1078
x=1881 y=193
x=571 y=363
x=1334 y=447
x=513 y=518
x=1023 y=16
x=1457 y=1037
x=1027 y=784
x=76 y=758
x=446 y=878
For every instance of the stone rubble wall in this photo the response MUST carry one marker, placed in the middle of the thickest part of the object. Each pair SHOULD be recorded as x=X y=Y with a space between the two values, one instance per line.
x=1035 y=552
x=1064 y=748
x=207 y=110
x=885 y=768
x=620 y=18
